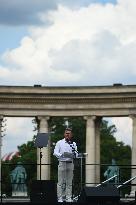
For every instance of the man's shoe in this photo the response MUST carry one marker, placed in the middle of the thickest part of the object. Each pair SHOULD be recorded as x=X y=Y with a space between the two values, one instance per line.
x=60 y=200
x=69 y=200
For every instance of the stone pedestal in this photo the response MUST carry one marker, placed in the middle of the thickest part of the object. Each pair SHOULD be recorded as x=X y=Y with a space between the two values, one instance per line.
x=18 y=193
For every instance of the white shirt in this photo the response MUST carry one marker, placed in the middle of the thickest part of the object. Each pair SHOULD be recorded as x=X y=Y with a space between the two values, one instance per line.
x=63 y=146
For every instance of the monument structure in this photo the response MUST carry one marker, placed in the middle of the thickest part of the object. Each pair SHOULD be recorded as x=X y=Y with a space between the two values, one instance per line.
x=18 y=178
x=111 y=171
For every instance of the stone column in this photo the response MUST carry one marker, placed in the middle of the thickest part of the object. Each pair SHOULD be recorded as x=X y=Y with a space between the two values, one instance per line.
x=133 y=156
x=90 y=150
x=1 y=119
x=45 y=151
x=97 y=148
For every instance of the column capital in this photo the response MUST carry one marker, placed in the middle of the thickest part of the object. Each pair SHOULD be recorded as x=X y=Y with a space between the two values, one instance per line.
x=43 y=117
x=1 y=120
x=42 y=122
x=1 y=117
x=89 y=117
x=132 y=116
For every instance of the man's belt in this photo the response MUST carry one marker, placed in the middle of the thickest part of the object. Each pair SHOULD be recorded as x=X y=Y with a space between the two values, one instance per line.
x=66 y=161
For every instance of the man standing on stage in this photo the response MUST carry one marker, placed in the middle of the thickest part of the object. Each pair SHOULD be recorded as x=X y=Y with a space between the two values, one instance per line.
x=65 y=150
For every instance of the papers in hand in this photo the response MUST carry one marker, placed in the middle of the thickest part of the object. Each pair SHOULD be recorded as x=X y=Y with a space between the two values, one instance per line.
x=82 y=155
x=68 y=155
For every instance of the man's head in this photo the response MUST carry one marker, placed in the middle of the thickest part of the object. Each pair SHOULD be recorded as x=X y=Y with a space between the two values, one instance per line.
x=68 y=134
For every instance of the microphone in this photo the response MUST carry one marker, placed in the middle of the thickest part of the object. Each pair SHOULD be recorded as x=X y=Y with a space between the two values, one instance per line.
x=53 y=143
x=85 y=154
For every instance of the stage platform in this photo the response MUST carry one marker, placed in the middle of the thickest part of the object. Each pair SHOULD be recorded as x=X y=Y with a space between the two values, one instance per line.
x=26 y=201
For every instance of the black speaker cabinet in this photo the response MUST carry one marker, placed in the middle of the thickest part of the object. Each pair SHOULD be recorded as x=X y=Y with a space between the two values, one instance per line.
x=108 y=195
x=43 y=191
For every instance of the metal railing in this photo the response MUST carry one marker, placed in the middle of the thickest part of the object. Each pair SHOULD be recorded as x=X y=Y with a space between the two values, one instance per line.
x=124 y=183
x=106 y=181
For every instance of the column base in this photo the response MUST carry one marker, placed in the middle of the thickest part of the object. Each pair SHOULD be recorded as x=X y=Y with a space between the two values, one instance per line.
x=19 y=193
x=132 y=194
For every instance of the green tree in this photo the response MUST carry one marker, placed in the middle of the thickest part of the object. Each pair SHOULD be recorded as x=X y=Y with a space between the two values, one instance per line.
x=5 y=182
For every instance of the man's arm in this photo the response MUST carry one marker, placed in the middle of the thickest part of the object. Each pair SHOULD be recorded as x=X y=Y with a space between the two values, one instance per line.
x=57 y=150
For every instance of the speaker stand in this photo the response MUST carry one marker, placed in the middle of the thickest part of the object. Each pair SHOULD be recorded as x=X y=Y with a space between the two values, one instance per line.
x=40 y=162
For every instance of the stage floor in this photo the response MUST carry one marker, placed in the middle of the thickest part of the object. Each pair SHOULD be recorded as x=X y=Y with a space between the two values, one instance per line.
x=26 y=201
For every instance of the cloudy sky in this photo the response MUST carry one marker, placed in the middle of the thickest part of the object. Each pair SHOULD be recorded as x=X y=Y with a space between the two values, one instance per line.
x=92 y=42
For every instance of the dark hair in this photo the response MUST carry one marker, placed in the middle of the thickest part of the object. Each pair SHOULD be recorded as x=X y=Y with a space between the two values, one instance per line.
x=68 y=129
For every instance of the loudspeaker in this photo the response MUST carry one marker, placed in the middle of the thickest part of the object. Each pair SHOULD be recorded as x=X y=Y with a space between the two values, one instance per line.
x=43 y=191
x=107 y=195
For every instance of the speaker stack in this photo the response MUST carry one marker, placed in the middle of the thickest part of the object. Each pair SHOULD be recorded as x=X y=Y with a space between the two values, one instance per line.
x=108 y=195
x=43 y=191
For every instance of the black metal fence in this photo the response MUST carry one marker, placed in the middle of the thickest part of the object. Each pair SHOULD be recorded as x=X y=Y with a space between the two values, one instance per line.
x=78 y=180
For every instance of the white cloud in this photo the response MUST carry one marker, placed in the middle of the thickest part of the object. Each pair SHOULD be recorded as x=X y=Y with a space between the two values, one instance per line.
x=80 y=43
x=124 y=129
x=17 y=132
x=92 y=45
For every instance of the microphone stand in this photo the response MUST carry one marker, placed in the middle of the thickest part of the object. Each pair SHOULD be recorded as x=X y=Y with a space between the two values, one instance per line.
x=40 y=161
x=80 y=156
x=74 y=151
